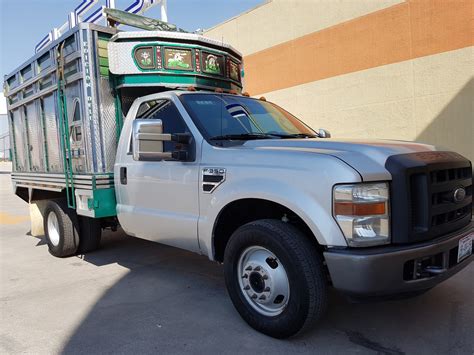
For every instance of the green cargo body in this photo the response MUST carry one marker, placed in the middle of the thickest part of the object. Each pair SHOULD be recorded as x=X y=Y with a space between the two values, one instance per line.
x=66 y=105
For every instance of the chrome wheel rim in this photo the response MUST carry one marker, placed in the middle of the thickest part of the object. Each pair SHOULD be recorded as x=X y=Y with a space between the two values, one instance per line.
x=53 y=229
x=263 y=281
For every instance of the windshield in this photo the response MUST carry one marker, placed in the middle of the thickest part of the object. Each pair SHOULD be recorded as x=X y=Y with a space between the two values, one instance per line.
x=223 y=116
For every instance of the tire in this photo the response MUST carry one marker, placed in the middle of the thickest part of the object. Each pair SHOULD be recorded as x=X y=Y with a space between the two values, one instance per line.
x=291 y=304
x=90 y=234
x=61 y=229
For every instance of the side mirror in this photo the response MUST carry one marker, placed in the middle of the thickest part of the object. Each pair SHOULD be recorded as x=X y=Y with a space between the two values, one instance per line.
x=148 y=138
x=324 y=133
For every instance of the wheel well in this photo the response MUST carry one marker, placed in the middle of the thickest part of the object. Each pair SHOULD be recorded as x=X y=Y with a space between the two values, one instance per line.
x=240 y=212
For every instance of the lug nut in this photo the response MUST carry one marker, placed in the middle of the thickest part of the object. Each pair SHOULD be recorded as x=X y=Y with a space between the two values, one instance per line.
x=247 y=288
x=258 y=268
x=262 y=297
x=248 y=268
x=265 y=277
x=245 y=276
x=266 y=289
x=254 y=296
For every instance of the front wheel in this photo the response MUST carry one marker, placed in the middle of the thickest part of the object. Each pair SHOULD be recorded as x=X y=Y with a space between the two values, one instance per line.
x=275 y=277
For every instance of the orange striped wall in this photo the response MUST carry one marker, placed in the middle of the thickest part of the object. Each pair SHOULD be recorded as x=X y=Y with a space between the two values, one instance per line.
x=405 y=31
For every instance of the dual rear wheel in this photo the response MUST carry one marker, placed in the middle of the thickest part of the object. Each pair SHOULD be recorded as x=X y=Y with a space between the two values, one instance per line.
x=67 y=233
x=273 y=272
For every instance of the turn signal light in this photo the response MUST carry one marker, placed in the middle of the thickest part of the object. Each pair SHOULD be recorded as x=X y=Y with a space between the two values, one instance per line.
x=359 y=209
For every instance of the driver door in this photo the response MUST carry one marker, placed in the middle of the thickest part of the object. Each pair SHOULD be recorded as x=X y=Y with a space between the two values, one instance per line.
x=158 y=199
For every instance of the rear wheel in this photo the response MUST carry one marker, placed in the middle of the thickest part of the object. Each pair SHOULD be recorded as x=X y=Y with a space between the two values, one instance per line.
x=275 y=277
x=61 y=229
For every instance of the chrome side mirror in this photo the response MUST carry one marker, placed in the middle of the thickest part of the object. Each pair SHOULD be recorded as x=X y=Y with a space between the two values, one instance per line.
x=324 y=133
x=148 y=138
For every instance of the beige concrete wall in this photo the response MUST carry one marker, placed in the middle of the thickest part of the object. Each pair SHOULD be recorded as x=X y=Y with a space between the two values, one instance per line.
x=428 y=99
x=278 y=21
x=381 y=69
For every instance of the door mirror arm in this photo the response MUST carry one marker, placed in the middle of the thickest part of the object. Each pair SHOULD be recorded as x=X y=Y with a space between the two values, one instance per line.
x=180 y=155
x=183 y=138
x=148 y=138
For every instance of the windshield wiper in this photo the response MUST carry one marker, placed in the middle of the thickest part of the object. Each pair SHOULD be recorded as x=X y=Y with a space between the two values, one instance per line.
x=295 y=135
x=245 y=136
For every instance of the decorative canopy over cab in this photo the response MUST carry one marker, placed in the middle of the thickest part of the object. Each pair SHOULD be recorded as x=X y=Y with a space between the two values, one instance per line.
x=174 y=59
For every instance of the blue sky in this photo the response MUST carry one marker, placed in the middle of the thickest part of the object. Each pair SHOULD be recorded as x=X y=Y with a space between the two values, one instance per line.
x=24 y=22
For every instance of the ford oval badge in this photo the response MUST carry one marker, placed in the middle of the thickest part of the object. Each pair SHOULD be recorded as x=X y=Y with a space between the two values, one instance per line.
x=459 y=194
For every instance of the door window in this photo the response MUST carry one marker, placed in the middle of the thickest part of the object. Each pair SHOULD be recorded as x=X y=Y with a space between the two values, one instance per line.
x=169 y=115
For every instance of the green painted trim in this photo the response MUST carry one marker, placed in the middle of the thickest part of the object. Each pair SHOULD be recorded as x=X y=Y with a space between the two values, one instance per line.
x=66 y=146
x=104 y=71
x=104 y=36
x=95 y=175
x=118 y=108
x=104 y=61
x=178 y=80
x=104 y=203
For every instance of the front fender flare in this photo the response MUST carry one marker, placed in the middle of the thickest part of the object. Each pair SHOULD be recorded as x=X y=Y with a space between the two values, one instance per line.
x=315 y=211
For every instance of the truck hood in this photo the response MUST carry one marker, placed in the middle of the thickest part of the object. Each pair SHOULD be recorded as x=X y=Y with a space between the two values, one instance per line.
x=368 y=157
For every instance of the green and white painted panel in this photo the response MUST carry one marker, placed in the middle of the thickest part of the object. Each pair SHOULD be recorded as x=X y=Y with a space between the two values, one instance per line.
x=175 y=59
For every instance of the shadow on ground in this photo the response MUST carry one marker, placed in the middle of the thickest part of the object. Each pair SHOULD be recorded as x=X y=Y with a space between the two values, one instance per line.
x=175 y=301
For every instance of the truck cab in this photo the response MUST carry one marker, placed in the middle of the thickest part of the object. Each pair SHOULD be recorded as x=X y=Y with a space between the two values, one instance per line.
x=385 y=217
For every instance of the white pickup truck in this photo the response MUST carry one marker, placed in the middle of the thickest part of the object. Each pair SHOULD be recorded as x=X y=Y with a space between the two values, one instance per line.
x=197 y=165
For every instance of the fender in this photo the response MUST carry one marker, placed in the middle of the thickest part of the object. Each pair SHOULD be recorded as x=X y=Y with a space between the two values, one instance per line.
x=311 y=202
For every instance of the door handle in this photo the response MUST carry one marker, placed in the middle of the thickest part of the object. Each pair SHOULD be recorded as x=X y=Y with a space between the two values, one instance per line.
x=123 y=175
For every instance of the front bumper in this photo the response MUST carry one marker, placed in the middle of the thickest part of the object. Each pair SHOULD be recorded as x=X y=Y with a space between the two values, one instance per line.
x=396 y=269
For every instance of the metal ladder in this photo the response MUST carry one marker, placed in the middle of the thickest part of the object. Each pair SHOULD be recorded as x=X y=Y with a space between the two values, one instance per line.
x=64 y=132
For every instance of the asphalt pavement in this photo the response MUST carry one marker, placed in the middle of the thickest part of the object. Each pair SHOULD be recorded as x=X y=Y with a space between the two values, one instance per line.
x=138 y=297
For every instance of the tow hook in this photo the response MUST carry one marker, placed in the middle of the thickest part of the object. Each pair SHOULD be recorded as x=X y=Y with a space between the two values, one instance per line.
x=434 y=270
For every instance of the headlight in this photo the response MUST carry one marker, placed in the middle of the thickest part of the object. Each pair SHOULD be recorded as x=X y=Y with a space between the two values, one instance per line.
x=361 y=210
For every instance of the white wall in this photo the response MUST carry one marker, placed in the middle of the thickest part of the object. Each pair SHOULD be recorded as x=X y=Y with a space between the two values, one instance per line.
x=3 y=115
x=3 y=104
